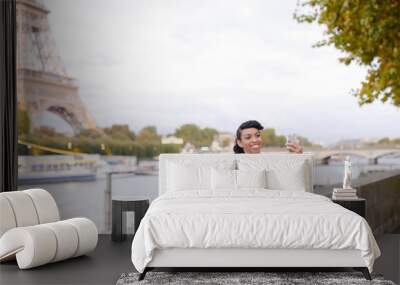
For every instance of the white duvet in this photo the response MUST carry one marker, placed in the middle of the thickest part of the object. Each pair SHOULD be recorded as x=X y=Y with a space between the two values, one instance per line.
x=250 y=219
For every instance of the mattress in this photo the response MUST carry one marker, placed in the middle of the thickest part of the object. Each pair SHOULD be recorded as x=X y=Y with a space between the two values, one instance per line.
x=250 y=219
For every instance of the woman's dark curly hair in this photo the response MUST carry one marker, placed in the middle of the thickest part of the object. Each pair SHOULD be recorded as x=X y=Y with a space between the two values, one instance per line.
x=245 y=125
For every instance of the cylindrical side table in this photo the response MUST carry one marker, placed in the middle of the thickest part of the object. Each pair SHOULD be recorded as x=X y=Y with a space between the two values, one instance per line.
x=121 y=204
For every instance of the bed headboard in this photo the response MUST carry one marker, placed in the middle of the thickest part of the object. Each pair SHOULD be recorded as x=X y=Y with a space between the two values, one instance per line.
x=271 y=159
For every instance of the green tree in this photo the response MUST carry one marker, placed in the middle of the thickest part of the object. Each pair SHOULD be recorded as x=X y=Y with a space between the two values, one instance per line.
x=23 y=122
x=121 y=132
x=368 y=32
x=90 y=133
x=170 y=148
x=148 y=135
x=47 y=131
x=268 y=137
x=189 y=133
x=280 y=141
x=207 y=136
x=385 y=140
x=304 y=141
x=195 y=135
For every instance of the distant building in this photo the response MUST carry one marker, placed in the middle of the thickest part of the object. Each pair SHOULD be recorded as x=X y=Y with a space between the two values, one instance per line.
x=171 y=140
x=225 y=141
x=188 y=148
x=204 y=149
x=369 y=141
x=215 y=146
x=346 y=144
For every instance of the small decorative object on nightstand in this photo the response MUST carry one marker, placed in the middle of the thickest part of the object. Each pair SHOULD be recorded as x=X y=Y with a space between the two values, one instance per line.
x=347 y=192
x=347 y=173
x=344 y=194
x=357 y=205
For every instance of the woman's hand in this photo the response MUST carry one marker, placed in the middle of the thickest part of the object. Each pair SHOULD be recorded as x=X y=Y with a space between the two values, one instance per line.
x=294 y=147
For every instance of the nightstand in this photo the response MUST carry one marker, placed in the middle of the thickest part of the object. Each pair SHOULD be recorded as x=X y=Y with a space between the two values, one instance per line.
x=357 y=205
x=121 y=204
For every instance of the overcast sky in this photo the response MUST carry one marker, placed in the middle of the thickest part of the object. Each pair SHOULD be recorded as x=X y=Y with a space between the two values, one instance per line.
x=212 y=63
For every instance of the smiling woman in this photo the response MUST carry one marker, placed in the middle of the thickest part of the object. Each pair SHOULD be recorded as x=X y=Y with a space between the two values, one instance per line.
x=248 y=139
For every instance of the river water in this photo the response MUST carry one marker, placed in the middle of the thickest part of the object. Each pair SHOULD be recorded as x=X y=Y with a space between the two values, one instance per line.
x=88 y=199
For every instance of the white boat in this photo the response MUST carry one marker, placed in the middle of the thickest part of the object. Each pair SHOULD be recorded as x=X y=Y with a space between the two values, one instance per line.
x=57 y=168
x=117 y=163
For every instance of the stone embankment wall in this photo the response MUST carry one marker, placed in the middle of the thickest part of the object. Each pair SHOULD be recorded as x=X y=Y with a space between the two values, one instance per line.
x=382 y=192
x=383 y=202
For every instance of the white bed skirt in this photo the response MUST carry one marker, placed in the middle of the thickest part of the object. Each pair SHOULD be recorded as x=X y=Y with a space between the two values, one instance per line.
x=235 y=257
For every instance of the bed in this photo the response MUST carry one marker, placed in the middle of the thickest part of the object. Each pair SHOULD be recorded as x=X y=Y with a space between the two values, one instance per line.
x=240 y=210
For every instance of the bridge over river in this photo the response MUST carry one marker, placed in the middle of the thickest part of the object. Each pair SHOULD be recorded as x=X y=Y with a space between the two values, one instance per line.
x=322 y=156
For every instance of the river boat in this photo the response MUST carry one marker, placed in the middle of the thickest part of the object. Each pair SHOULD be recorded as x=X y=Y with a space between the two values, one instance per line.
x=57 y=168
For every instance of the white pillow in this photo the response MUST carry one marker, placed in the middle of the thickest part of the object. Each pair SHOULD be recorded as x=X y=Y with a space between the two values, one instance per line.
x=185 y=174
x=223 y=179
x=289 y=176
x=282 y=174
x=188 y=177
x=251 y=178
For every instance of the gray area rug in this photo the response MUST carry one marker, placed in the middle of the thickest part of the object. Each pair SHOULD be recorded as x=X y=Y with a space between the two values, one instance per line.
x=225 y=278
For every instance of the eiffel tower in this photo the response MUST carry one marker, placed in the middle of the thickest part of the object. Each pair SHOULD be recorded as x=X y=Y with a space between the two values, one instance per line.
x=43 y=84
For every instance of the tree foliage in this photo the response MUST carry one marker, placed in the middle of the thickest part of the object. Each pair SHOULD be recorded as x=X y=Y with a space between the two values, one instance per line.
x=368 y=32
x=270 y=138
x=120 y=132
x=149 y=135
x=118 y=140
x=305 y=142
x=90 y=133
x=388 y=141
x=195 y=135
x=23 y=122
x=207 y=136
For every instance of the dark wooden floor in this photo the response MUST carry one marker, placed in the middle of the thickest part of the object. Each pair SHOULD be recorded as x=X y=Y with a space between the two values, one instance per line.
x=103 y=266
x=111 y=259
